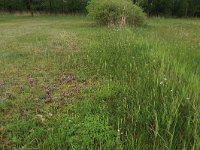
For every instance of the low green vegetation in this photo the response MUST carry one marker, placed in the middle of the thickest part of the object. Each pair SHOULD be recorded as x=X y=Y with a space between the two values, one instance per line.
x=66 y=84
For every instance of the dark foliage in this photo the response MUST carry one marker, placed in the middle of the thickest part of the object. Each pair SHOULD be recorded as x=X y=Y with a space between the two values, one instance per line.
x=178 y=8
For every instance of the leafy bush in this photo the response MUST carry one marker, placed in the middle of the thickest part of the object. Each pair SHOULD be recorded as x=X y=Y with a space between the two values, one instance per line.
x=120 y=12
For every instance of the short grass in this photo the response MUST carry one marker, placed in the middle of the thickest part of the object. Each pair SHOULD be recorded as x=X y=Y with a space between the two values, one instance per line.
x=67 y=84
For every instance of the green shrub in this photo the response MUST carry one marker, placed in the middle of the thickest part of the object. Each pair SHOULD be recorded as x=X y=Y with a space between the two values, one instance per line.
x=115 y=12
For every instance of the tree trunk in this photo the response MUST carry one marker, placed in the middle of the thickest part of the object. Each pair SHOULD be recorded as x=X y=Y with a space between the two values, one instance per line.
x=50 y=6
x=64 y=1
x=30 y=8
x=4 y=5
x=62 y=7
x=186 y=12
x=149 y=5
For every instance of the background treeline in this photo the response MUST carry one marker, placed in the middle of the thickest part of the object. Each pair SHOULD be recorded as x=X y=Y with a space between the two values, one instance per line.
x=49 y=6
x=179 y=8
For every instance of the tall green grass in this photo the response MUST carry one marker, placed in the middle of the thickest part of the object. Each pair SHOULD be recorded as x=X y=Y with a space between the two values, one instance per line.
x=140 y=87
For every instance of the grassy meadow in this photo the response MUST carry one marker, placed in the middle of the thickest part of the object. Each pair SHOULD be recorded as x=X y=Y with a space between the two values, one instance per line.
x=68 y=84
